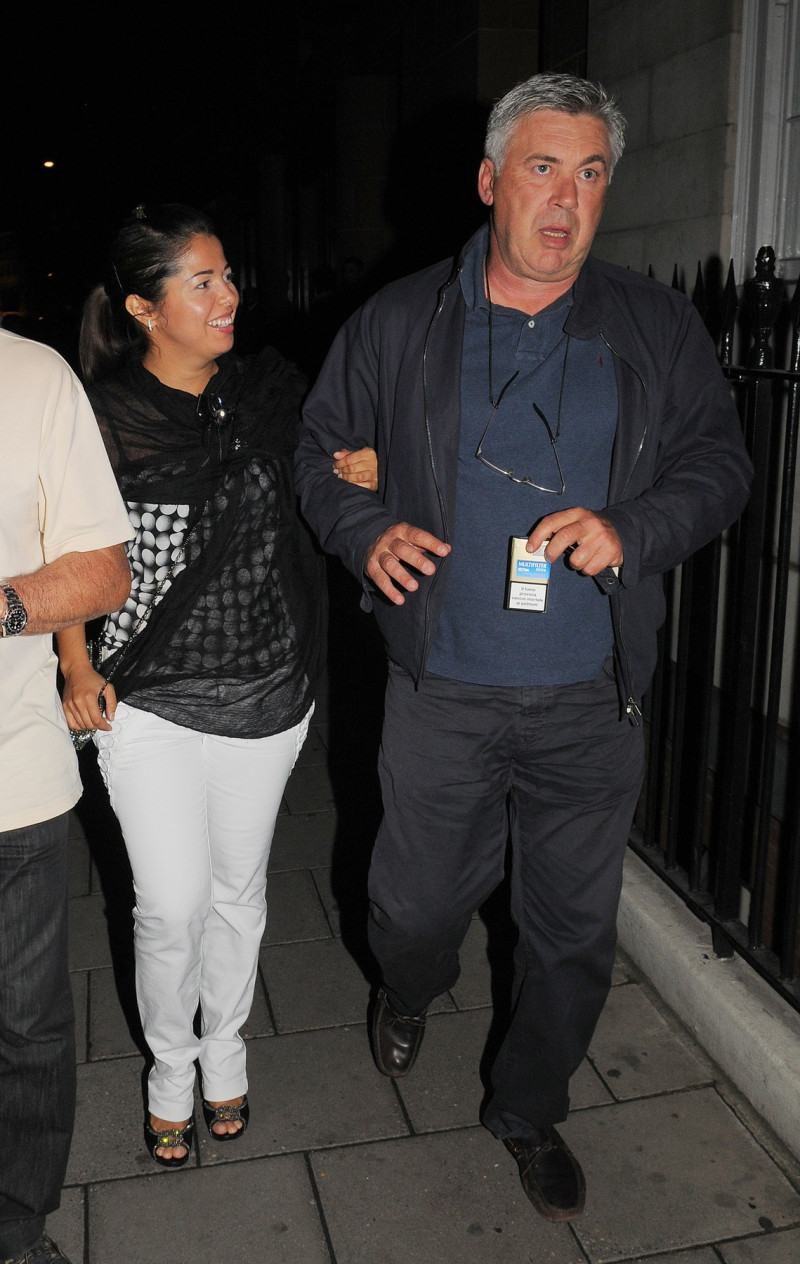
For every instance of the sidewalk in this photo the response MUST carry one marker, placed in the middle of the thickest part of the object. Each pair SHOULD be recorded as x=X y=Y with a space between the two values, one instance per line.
x=340 y=1165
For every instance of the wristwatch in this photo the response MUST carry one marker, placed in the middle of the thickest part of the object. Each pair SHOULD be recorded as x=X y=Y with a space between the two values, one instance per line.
x=15 y=618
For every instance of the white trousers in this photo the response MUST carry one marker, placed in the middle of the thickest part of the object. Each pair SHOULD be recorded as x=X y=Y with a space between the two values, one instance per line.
x=197 y=813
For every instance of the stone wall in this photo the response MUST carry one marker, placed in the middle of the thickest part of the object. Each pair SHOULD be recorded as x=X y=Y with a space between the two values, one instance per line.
x=674 y=68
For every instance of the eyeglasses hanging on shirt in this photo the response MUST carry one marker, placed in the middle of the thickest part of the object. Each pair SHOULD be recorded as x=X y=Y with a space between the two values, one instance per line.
x=502 y=443
x=504 y=439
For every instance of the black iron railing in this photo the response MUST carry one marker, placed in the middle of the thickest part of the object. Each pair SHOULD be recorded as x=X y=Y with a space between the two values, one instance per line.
x=719 y=817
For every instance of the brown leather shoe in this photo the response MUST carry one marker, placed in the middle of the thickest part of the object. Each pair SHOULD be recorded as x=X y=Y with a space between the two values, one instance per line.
x=396 y=1038
x=551 y=1175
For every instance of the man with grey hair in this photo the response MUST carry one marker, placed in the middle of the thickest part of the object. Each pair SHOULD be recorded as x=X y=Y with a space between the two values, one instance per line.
x=553 y=434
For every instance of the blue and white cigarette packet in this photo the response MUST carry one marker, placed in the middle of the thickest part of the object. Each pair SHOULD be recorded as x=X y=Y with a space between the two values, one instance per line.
x=528 y=576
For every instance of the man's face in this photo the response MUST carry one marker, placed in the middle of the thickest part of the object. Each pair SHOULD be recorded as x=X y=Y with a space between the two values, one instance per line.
x=548 y=198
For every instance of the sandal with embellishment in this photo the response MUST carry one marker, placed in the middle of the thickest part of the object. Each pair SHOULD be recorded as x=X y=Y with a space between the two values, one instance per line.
x=168 y=1138
x=227 y=1115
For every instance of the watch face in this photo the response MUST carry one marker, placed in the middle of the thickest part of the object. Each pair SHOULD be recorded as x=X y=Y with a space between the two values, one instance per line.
x=16 y=616
x=15 y=620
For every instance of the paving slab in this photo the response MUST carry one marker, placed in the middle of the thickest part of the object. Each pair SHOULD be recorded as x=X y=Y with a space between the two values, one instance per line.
x=303 y=840
x=624 y=971
x=79 y=982
x=445 y=1090
x=314 y=984
x=111 y=1034
x=88 y=933
x=772 y=1248
x=295 y=910
x=66 y=1226
x=673 y=1172
x=323 y=885
x=638 y=1053
x=703 y=1255
x=586 y=1088
x=259 y=1022
x=473 y=988
x=108 y=1138
x=445 y=1198
x=308 y=1090
x=309 y=790
x=261 y=1212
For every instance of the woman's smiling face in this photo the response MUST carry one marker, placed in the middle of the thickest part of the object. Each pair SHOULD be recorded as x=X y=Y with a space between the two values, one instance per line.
x=194 y=320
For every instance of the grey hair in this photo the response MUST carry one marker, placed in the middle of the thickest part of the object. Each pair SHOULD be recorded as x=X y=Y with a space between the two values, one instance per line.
x=566 y=93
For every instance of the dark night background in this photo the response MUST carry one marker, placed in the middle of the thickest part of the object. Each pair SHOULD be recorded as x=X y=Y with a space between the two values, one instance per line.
x=144 y=104
x=311 y=131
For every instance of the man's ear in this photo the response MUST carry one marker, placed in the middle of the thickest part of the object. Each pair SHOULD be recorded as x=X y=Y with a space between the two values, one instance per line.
x=486 y=182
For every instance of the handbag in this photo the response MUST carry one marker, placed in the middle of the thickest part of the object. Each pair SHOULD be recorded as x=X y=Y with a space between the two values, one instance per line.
x=82 y=737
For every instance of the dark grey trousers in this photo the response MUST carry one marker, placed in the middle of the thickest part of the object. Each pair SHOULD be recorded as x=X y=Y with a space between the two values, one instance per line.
x=37 y=1030
x=461 y=766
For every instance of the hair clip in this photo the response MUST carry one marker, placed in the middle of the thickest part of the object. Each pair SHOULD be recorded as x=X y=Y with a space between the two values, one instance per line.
x=139 y=212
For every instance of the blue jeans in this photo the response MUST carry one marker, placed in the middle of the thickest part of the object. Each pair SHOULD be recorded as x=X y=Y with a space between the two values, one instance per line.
x=463 y=767
x=37 y=1030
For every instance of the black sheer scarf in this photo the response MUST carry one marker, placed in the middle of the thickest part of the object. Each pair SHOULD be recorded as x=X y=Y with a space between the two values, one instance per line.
x=233 y=645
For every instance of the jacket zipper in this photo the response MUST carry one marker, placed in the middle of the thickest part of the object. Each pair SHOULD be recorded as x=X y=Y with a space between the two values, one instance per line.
x=634 y=370
x=632 y=708
x=442 y=508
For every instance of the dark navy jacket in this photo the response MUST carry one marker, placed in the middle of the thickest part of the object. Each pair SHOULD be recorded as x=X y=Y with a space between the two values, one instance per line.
x=679 y=472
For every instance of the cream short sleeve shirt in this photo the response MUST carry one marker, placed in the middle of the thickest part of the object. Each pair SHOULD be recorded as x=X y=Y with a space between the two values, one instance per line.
x=57 y=495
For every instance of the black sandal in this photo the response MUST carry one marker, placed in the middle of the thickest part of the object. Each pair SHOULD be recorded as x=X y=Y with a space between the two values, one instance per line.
x=169 y=1138
x=227 y=1115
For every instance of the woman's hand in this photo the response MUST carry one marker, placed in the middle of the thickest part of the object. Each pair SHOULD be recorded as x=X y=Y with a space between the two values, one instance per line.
x=82 y=689
x=357 y=467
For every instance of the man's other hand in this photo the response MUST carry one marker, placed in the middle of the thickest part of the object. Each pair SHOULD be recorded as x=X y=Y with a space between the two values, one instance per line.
x=597 y=544
x=401 y=546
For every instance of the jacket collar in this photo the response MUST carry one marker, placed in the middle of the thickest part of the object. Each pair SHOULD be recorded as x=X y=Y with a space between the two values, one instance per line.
x=592 y=306
x=602 y=309
x=599 y=308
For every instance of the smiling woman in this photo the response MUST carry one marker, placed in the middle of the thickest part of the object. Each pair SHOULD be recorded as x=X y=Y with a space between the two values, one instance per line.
x=193 y=323
x=214 y=656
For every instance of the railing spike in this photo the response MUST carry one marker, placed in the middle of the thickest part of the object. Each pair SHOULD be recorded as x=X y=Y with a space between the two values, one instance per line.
x=794 y=317
x=699 y=295
x=794 y=306
x=730 y=310
x=763 y=295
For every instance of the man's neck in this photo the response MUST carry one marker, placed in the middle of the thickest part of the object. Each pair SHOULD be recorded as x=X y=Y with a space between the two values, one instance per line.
x=525 y=295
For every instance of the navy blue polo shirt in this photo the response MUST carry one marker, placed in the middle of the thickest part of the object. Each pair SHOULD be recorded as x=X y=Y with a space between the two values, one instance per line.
x=572 y=383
